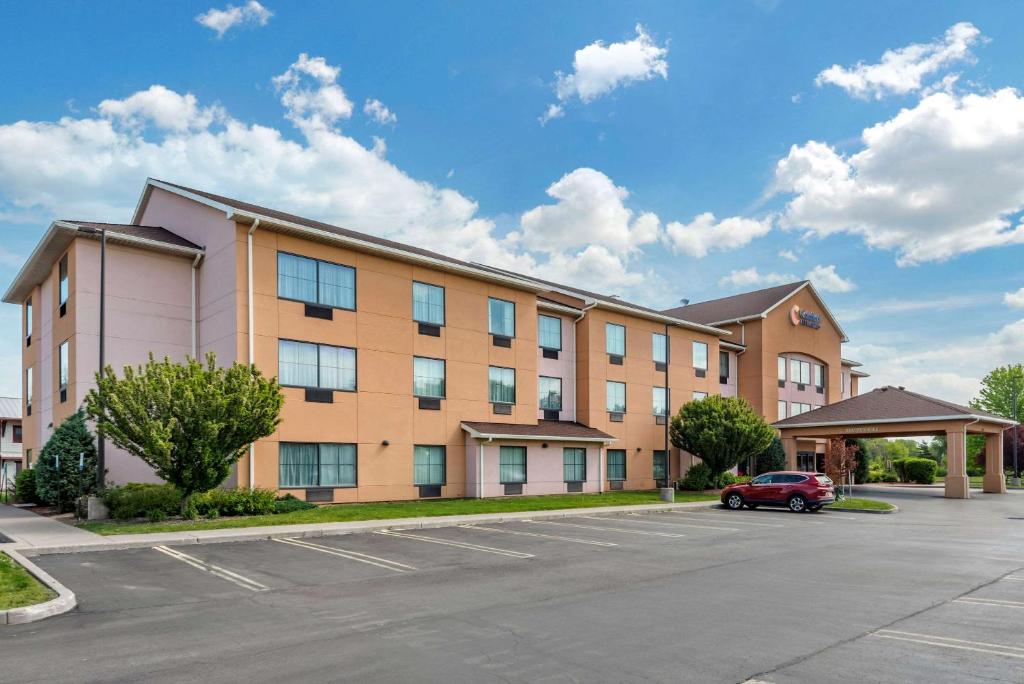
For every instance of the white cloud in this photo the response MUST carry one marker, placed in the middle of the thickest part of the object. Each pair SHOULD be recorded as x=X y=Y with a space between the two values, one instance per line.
x=1014 y=299
x=598 y=69
x=223 y=20
x=704 y=234
x=939 y=179
x=826 y=279
x=752 y=278
x=376 y=110
x=903 y=70
x=161 y=107
x=553 y=111
x=788 y=255
x=314 y=108
x=883 y=308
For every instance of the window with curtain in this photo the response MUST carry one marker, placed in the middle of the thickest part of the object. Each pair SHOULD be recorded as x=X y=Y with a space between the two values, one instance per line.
x=697 y=396
x=428 y=465
x=819 y=375
x=316 y=282
x=502 y=385
x=700 y=355
x=616 y=464
x=800 y=371
x=550 y=390
x=63 y=287
x=660 y=401
x=501 y=317
x=782 y=369
x=616 y=395
x=615 y=339
x=659 y=348
x=512 y=464
x=316 y=465
x=549 y=332
x=427 y=303
x=428 y=377
x=783 y=406
x=574 y=464
x=304 y=364
x=660 y=465
x=723 y=367
x=62 y=370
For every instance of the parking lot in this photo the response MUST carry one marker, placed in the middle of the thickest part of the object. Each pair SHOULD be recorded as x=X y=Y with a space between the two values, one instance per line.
x=934 y=592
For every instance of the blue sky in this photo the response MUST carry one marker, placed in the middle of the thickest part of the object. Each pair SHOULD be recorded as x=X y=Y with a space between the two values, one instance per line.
x=693 y=143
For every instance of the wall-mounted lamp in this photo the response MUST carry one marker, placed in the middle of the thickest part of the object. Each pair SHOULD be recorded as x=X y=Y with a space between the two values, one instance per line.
x=385 y=443
x=544 y=445
x=638 y=450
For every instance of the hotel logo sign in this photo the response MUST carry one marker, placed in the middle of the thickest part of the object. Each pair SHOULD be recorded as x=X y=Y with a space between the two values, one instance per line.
x=809 y=319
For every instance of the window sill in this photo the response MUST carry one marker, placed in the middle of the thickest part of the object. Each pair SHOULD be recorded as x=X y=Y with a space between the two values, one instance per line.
x=501 y=341
x=700 y=372
x=428 y=329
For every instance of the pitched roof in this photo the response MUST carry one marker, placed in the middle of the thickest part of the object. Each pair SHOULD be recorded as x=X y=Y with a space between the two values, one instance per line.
x=153 y=233
x=887 y=405
x=736 y=307
x=10 y=407
x=554 y=430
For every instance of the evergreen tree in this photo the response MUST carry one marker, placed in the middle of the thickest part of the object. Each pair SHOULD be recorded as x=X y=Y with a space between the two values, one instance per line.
x=67 y=464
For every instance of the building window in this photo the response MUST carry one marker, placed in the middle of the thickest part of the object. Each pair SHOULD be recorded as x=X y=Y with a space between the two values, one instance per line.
x=782 y=371
x=796 y=408
x=428 y=377
x=316 y=465
x=28 y=319
x=723 y=367
x=63 y=287
x=660 y=465
x=501 y=317
x=427 y=303
x=697 y=396
x=800 y=371
x=502 y=384
x=574 y=464
x=62 y=367
x=16 y=434
x=782 y=409
x=550 y=393
x=819 y=376
x=304 y=364
x=616 y=464
x=28 y=458
x=659 y=348
x=615 y=339
x=549 y=332
x=659 y=401
x=616 y=394
x=428 y=465
x=512 y=465
x=317 y=282
x=28 y=390
x=700 y=356
x=842 y=383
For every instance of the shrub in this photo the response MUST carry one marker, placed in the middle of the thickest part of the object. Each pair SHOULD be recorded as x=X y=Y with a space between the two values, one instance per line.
x=138 y=500
x=156 y=515
x=235 y=502
x=724 y=480
x=25 y=486
x=697 y=478
x=919 y=470
x=59 y=479
x=289 y=503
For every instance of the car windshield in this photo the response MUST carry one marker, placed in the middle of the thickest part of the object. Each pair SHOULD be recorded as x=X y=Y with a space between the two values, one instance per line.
x=824 y=479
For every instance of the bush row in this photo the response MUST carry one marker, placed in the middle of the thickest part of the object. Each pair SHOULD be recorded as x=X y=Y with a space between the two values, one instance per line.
x=912 y=469
x=698 y=478
x=160 y=501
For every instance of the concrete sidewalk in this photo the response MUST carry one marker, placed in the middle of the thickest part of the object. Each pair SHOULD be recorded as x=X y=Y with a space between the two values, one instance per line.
x=50 y=536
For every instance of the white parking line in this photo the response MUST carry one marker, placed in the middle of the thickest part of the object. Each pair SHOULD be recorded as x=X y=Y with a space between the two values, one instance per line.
x=989 y=602
x=351 y=555
x=457 y=544
x=946 y=642
x=216 y=570
x=1012 y=578
x=540 y=535
x=732 y=518
x=635 y=517
x=626 y=530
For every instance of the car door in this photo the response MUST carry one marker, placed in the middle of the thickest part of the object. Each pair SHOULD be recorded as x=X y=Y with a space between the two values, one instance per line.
x=760 y=489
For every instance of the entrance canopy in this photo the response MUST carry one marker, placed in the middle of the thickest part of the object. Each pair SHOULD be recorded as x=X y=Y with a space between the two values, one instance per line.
x=896 y=412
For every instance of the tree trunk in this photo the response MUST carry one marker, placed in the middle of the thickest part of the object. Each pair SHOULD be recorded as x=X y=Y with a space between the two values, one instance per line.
x=186 y=498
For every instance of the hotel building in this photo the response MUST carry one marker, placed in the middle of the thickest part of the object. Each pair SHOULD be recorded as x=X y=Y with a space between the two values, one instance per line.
x=406 y=373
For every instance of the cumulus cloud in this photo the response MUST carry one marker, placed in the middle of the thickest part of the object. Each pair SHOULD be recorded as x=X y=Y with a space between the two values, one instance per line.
x=221 y=21
x=826 y=279
x=376 y=110
x=704 y=234
x=939 y=179
x=788 y=255
x=316 y=106
x=751 y=277
x=904 y=69
x=882 y=308
x=1014 y=299
x=161 y=107
x=598 y=69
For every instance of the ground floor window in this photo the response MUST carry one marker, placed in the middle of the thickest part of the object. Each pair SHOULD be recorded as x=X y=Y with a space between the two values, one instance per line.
x=316 y=465
x=616 y=464
x=428 y=465
x=809 y=461
x=660 y=465
x=512 y=468
x=574 y=463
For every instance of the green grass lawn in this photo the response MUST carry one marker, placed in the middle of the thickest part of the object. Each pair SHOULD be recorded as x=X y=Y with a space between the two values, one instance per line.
x=401 y=509
x=19 y=588
x=856 y=504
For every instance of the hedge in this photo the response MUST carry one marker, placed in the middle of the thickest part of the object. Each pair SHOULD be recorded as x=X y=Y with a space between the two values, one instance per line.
x=160 y=501
x=918 y=470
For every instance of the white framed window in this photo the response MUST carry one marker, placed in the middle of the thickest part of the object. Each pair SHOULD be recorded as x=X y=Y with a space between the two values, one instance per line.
x=574 y=464
x=550 y=393
x=700 y=356
x=305 y=364
x=783 y=409
x=62 y=367
x=615 y=339
x=316 y=465
x=427 y=303
x=782 y=369
x=316 y=282
x=428 y=465
x=501 y=385
x=616 y=396
x=800 y=371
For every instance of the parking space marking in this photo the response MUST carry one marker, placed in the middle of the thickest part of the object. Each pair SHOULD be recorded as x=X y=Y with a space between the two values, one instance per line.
x=351 y=555
x=635 y=517
x=989 y=602
x=539 y=535
x=457 y=544
x=1012 y=578
x=947 y=642
x=735 y=522
x=626 y=530
x=216 y=570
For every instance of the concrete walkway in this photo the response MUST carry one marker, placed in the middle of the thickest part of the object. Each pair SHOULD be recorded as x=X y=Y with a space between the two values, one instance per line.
x=35 y=535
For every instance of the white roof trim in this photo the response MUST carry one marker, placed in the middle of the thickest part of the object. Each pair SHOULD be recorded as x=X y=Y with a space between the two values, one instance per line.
x=889 y=421
x=560 y=308
x=764 y=314
x=475 y=434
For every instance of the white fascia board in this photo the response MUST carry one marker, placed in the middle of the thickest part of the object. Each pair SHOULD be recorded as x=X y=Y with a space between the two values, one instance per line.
x=890 y=421
x=476 y=434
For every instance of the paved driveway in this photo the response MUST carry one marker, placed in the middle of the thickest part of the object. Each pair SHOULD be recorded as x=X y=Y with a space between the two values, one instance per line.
x=933 y=593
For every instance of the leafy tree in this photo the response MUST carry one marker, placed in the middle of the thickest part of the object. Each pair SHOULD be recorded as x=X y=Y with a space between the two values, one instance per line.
x=1009 y=435
x=59 y=479
x=997 y=391
x=840 y=459
x=190 y=422
x=720 y=431
x=772 y=458
x=860 y=472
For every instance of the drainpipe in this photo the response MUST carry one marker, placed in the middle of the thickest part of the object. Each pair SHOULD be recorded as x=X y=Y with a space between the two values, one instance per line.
x=575 y=394
x=668 y=403
x=195 y=266
x=252 y=447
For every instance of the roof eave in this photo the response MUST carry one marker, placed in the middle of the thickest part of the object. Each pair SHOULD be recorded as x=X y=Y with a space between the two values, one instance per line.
x=476 y=434
x=890 y=421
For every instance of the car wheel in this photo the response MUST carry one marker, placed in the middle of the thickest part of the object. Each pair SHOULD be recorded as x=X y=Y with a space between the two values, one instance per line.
x=797 y=504
x=734 y=502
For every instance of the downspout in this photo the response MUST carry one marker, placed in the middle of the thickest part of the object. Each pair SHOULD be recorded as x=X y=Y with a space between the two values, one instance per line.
x=668 y=403
x=195 y=266
x=575 y=394
x=252 y=447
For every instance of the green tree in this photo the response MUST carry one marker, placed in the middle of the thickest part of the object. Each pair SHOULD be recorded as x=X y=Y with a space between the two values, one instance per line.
x=720 y=431
x=59 y=477
x=997 y=391
x=190 y=422
x=772 y=458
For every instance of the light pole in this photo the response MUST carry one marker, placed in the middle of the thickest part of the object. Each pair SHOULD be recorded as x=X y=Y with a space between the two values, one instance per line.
x=1015 y=435
x=100 y=442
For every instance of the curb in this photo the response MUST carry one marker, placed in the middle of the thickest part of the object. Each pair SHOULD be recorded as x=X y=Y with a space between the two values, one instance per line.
x=64 y=602
x=875 y=511
x=135 y=541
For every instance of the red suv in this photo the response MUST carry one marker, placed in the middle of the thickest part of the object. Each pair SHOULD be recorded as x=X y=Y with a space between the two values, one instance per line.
x=795 y=490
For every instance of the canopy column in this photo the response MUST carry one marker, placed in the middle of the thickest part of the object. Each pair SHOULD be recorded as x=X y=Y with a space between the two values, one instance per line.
x=995 y=479
x=789 y=446
x=957 y=484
